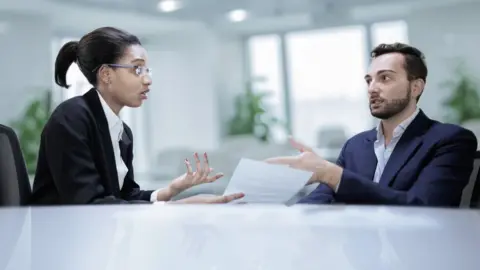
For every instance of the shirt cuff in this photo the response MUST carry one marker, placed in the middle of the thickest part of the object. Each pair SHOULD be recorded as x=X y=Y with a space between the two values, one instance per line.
x=153 y=196
x=337 y=186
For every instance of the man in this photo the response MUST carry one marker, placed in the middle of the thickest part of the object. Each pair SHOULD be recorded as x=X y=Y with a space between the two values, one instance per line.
x=408 y=159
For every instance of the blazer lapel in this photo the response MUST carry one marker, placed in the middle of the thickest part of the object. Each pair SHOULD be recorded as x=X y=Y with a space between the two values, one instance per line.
x=406 y=147
x=94 y=103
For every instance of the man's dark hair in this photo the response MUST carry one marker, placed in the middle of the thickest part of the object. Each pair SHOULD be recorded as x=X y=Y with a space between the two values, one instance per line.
x=415 y=65
x=104 y=45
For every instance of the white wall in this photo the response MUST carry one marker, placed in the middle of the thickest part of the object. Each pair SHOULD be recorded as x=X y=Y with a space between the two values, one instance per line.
x=25 y=53
x=443 y=34
x=193 y=74
x=230 y=75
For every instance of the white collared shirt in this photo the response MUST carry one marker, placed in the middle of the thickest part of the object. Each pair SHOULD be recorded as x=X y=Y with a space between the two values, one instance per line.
x=382 y=151
x=115 y=127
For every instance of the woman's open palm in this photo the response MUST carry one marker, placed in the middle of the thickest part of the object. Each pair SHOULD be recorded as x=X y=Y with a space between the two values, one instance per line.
x=192 y=178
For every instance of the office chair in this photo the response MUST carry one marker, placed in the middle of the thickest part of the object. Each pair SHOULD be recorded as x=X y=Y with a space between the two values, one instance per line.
x=471 y=193
x=15 y=186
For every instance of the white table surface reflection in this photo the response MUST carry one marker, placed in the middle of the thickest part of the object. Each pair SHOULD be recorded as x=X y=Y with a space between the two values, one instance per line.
x=239 y=237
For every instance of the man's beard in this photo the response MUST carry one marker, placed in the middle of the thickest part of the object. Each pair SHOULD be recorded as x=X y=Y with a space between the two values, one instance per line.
x=393 y=107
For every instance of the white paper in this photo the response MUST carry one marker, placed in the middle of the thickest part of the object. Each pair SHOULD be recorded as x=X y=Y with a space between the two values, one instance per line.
x=266 y=183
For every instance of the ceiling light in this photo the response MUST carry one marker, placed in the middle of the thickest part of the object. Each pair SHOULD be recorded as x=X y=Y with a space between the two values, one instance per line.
x=169 y=5
x=237 y=15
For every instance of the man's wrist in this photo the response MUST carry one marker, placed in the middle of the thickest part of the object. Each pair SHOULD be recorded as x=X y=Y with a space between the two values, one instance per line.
x=329 y=174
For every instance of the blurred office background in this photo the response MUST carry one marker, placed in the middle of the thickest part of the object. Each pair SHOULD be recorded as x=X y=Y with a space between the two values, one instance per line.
x=235 y=77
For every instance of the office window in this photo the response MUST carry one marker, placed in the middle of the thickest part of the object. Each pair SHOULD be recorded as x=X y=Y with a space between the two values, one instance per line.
x=326 y=69
x=389 y=32
x=79 y=84
x=266 y=72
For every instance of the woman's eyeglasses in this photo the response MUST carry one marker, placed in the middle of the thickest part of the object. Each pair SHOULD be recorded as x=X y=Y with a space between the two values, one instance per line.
x=139 y=70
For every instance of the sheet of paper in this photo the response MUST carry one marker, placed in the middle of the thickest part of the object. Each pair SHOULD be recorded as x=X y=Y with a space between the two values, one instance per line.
x=266 y=183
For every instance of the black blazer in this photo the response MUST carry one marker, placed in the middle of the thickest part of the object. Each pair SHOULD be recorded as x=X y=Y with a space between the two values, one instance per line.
x=76 y=163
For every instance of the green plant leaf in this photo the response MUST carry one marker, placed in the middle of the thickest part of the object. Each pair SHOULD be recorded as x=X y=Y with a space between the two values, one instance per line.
x=251 y=116
x=463 y=103
x=29 y=128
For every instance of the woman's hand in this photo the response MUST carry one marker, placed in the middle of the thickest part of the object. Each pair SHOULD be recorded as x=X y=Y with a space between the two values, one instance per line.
x=210 y=199
x=192 y=178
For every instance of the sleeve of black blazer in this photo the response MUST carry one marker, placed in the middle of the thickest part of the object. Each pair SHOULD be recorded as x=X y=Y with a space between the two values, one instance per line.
x=131 y=190
x=71 y=162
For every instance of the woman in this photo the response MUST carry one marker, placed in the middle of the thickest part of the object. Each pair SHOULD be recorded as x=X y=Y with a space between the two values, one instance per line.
x=86 y=151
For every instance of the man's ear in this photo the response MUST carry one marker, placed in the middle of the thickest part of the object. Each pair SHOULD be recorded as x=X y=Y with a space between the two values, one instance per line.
x=417 y=87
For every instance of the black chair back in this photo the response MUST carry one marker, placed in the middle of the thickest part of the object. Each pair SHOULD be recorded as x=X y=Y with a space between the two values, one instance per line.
x=15 y=189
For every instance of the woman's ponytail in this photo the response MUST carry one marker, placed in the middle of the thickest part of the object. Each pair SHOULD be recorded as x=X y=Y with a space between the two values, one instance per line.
x=66 y=56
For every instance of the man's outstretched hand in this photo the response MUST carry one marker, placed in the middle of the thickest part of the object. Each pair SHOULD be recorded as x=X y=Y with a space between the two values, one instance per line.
x=323 y=170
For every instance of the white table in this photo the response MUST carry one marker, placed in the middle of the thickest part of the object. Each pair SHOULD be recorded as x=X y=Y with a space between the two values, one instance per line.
x=239 y=237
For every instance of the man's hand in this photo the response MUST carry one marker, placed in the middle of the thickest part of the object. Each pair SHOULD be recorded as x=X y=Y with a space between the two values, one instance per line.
x=300 y=146
x=210 y=199
x=192 y=178
x=308 y=160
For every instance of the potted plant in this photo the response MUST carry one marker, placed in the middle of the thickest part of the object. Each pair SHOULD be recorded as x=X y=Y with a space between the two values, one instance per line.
x=29 y=128
x=463 y=104
x=251 y=116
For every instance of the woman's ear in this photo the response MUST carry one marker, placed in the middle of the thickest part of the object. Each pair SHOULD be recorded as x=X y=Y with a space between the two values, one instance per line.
x=104 y=74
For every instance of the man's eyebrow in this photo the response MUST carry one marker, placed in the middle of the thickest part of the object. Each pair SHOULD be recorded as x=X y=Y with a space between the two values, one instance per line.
x=380 y=72
x=385 y=71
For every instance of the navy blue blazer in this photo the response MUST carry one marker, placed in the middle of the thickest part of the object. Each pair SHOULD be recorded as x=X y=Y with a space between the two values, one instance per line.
x=430 y=166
